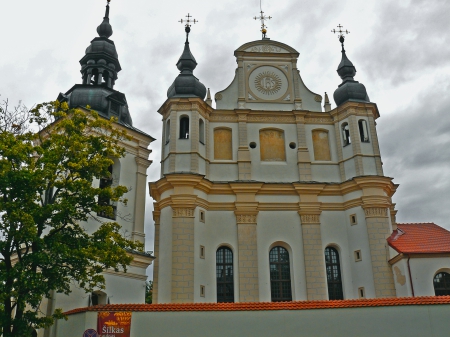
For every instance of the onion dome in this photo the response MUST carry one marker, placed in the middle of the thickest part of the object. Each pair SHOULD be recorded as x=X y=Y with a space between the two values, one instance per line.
x=186 y=84
x=349 y=89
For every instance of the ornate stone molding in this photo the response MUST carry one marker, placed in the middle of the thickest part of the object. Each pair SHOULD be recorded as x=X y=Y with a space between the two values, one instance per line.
x=310 y=219
x=272 y=119
x=376 y=212
x=183 y=213
x=319 y=120
x=221 y=118
x=246 y=218
x=265 y=48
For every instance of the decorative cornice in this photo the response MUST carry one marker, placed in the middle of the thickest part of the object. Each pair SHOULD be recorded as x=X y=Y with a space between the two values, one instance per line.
x=307 y=219
x=182 y=212
x=246 y=218
x=375 y=212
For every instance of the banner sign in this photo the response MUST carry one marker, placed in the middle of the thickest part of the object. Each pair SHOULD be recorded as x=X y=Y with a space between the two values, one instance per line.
x=114 y=324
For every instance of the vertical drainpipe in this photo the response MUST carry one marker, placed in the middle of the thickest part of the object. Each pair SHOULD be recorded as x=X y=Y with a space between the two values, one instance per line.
x=410 y=278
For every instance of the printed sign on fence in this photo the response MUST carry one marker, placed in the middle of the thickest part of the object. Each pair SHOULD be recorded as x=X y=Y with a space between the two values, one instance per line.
x=114 y=324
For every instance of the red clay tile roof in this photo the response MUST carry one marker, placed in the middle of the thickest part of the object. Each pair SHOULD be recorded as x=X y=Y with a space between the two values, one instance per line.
x=266 y=306
x=420 y=238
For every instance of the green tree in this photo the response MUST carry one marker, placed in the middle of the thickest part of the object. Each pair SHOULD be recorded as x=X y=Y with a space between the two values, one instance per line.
x=49 y=157
x=149 y=292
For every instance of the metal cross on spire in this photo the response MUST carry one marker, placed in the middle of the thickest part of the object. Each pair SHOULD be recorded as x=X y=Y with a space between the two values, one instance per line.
x=341 y=34
x=263 y=18
x=188 y=22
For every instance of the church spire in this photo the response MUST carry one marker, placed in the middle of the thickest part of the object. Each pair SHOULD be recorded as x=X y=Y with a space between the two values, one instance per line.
x=349 y=89
x=186 y=84
x=101 y=64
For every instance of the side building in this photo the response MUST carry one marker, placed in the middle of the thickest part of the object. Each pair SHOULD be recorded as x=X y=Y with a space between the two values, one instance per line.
x=269 y=197
x=99 y=69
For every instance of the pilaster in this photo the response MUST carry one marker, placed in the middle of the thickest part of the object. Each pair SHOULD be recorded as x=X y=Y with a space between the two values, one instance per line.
x=182 y=254
x=139 y=201
x=356 y=145
x=194 y=135
x=378 y=230
x=303 y=156
x=157 y=219
x=244 y=161
x=173 y=141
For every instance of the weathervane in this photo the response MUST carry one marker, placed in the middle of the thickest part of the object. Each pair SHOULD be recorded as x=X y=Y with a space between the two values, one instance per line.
x=188 y=22
x=341 y=35
x=262 y=17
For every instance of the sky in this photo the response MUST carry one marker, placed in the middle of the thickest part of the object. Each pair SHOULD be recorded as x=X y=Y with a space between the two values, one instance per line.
x=401 y=50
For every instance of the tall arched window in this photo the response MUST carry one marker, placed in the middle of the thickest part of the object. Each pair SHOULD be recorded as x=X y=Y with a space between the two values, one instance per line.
x=201 y=131
x=184 y=127
x=280 y=275
x=224 y=275
x=363 y=131
x=441 y=283
x=346 y=134
x=334 y=280
x=168 y=131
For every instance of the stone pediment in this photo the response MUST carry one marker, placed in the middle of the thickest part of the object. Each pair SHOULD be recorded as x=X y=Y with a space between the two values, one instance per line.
x=266 y=46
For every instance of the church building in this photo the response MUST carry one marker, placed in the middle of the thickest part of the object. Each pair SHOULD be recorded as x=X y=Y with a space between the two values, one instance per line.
x=274 y=196
x=272 y=213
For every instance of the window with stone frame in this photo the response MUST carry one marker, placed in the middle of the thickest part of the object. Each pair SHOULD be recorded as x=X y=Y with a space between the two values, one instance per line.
x=224 y=275
x=441 y=283
x=333 y=269
x=280 y=275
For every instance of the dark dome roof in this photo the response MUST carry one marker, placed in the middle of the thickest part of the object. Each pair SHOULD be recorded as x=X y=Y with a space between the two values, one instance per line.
x=186 y=84
x=102 y=45
x=349 y=89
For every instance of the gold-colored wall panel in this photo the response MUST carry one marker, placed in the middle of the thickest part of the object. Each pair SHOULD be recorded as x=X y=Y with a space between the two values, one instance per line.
x=321 y=145
x=223 y=148
x=272 y=145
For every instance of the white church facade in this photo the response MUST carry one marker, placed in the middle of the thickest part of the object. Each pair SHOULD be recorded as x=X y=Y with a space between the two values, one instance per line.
x=270 y=196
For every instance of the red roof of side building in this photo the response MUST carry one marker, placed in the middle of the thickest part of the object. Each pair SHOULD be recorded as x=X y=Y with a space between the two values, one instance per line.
x=266 y=306
x=420 y=238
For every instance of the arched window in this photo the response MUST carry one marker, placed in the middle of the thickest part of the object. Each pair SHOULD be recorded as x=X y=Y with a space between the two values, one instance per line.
x=272 y=145
x=223 y=147
x=441 y=283
x=224 y=275
x=321 y=145
x=107 y=182
x=98 y=298
x=280 y=275
x=363 y=131
x=201 y=131
x=184 y=127
x=334 y=280
x=346 y=134
x=94 y=76
x=168 y=131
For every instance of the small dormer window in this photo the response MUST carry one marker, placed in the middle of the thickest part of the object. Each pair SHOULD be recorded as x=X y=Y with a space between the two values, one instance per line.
x=346 y=134
x=115 y=108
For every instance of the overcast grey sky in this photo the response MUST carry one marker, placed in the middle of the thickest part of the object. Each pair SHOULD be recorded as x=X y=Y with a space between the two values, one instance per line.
x=401 y=50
